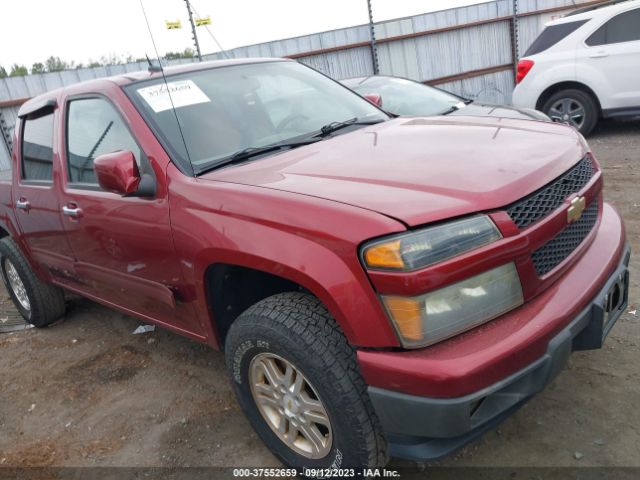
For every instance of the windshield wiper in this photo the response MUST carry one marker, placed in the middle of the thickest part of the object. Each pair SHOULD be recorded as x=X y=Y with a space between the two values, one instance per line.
x=247 y=153
x=450 y=110
x=335 y=126
x=454 y=108
x=255 y=151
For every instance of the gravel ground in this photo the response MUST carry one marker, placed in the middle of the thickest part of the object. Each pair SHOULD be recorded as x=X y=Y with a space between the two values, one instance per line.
x=87 y=392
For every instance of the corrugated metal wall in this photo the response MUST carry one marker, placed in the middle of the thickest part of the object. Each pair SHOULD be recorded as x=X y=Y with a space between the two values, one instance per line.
x=484 y=44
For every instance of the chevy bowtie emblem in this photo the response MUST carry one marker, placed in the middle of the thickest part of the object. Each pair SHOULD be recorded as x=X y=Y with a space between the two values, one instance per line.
x=575 y=209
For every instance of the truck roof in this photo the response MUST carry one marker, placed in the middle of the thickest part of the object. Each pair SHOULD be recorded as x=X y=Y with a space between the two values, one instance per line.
x=190 y=67
x=46 y=99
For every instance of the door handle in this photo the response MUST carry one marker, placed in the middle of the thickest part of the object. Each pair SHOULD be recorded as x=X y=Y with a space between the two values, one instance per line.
x=599 y=54
x=72 y=212
x=23 y=204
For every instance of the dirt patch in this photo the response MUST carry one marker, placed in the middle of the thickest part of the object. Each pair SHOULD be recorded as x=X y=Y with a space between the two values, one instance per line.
x=31 y=454
x=57 y=452
x=116 y=365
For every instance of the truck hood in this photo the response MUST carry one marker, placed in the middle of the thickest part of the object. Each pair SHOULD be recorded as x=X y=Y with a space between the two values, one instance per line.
x=420 y=170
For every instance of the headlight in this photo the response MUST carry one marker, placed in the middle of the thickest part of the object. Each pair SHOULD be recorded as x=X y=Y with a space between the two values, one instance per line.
x=443 y=313
x=410 y=251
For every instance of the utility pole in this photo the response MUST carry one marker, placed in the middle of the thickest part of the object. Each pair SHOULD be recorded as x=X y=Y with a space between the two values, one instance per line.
x=193 y=29
x=374 y=49
x=515 y=35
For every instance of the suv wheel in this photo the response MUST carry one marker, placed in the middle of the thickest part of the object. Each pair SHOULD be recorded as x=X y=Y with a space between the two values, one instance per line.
x=575 y=107
x=297 y=380
x=39 y=303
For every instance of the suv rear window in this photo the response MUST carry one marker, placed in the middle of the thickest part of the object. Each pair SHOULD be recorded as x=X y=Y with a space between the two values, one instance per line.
x=552 y=35
x=624 y=27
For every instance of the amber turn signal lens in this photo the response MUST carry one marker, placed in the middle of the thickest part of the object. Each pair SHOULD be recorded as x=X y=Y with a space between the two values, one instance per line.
x=407 y=316
x=384 y=255
x=416 y=249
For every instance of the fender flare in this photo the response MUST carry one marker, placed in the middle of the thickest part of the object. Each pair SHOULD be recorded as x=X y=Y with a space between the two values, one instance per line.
x=343 y=289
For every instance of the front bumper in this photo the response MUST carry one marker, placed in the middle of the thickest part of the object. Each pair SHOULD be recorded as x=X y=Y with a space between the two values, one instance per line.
x=427 y=427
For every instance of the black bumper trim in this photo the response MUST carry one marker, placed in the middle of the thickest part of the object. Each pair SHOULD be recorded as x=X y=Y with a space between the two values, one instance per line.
x=424 y=428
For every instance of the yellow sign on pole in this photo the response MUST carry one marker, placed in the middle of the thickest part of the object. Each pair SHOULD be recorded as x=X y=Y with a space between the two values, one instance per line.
x=173 y=25
x=203 y=21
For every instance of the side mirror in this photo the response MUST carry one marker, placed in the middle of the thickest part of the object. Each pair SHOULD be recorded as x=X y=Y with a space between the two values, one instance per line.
x=118 y=172
x=374 y=98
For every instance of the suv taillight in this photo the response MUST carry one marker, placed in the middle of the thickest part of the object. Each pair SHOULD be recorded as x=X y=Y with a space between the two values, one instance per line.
x=524 y=66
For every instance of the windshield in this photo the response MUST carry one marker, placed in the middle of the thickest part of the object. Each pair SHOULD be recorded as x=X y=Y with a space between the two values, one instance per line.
x=405 y=97
x=225 y=110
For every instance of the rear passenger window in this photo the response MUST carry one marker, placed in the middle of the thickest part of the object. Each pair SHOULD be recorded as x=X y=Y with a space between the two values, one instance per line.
x=5 y=160
x=94 y=127
x=552 y=35
x=621 y=28
x=37 y=148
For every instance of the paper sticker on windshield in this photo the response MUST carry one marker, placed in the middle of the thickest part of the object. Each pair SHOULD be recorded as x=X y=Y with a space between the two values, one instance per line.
x=183 y=93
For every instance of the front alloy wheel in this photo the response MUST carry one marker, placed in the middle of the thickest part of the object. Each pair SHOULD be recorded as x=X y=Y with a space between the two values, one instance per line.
x=297 y=380
x=290 y=405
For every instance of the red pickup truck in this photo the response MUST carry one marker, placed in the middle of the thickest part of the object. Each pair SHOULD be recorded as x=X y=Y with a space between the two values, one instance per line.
x=380 y=286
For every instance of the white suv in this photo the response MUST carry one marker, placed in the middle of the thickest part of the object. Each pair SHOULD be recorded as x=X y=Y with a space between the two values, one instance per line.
x=584 y=66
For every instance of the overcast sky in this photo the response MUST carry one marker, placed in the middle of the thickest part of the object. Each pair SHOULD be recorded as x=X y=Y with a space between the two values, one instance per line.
x=81 y=30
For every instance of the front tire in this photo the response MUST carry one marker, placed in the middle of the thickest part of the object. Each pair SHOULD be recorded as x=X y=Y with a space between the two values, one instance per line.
x=297 y=380
x=574 y=107
x=39 y=303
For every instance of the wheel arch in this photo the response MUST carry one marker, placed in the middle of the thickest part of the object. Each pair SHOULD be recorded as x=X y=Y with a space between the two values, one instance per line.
x=235 y=282
x=8 y=229
x=7 y=226
x=568 y=85
x=232 y=288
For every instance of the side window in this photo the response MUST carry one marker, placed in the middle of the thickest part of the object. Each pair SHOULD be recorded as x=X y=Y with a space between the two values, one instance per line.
x=621 y=28
x=37 y=148
x=94 y=127
x=5 y=160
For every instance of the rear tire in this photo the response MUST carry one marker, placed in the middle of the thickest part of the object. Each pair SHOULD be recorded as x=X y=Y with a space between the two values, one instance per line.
x=39 y=303
x=574 y=107
x=291 y=339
